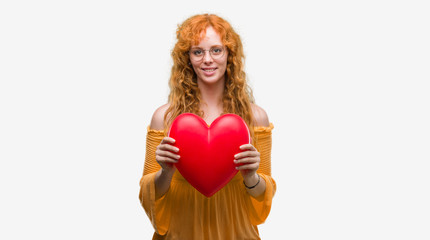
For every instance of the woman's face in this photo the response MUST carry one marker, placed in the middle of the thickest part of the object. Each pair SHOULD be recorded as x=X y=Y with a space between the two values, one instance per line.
x=209 y=58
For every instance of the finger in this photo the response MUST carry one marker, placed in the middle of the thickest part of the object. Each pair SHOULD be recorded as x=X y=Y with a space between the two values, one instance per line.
x=246 y=161
x=247 y=154
x=168 y=147
x=161 y=159
x=167 y=154
x=168 y=140
x=247 y=147
x=248 y=167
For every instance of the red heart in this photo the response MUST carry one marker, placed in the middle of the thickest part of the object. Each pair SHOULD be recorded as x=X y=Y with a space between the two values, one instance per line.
x=207 y=152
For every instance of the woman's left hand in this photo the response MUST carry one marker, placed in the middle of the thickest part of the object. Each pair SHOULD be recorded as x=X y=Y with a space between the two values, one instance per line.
x=247 y=161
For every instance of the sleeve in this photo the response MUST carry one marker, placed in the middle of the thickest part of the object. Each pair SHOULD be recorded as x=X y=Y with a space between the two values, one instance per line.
x=259 y=207
x=155 y=209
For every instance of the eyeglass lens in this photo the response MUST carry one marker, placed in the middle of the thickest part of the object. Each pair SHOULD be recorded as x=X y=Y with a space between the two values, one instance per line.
x=215 y=52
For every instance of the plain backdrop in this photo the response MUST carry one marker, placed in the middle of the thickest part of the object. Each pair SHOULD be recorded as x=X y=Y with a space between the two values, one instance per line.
x=345 y=83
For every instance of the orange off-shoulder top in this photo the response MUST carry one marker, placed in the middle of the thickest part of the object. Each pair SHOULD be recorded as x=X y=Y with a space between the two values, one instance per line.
x=184 y=213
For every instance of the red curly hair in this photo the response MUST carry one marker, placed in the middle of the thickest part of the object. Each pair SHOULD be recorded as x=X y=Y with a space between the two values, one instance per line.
x=184 y=93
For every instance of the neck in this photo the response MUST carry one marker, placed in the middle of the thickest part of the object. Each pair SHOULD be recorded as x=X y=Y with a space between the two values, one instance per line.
x=211 y=94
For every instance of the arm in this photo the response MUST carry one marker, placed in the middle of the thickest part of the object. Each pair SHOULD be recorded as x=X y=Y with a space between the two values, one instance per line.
x=153 y=200
x=259 y=207
x=250 y=158
x=165 y=155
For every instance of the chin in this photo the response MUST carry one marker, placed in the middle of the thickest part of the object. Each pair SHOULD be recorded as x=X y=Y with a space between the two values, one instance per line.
x=210 y=80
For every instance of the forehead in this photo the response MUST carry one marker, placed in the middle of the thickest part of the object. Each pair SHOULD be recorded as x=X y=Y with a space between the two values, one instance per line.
x=209 y=38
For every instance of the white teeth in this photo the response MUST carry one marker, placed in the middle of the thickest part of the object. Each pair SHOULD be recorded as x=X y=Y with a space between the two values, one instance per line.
x=209 y=70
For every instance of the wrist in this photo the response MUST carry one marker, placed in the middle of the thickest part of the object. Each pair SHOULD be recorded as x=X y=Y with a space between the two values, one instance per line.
x=167 y=173
x=252 y=182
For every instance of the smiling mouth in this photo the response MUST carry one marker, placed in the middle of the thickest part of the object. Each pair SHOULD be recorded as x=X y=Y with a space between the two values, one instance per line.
x=209 y=69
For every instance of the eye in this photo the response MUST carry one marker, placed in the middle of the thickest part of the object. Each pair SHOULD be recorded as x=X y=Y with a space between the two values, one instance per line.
x=216 y=50
x=197 y=52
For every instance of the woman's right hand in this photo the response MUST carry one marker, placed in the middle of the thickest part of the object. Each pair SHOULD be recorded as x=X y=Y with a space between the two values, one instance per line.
x=166 y=155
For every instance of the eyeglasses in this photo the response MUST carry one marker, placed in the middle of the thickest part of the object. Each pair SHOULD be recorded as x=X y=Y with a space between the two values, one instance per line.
x=197 y=54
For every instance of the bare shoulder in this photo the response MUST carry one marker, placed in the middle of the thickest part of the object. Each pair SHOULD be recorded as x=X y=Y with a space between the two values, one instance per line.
x=157 y=121
x=260 y=116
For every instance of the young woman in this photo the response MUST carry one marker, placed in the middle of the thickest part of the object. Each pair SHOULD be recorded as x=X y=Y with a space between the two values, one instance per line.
x=207 y=79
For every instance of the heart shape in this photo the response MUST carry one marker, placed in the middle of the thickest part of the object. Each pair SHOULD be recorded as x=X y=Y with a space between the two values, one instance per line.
x=207 y=152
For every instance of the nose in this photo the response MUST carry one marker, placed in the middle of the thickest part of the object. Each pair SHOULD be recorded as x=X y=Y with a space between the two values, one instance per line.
x=207 y=58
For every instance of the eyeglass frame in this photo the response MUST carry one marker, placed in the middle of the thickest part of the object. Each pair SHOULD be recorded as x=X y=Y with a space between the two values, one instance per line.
x=210 y=54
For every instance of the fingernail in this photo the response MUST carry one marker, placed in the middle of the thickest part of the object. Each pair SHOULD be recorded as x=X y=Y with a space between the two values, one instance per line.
x=235 y=156
x=177 y=149
x=237 y=168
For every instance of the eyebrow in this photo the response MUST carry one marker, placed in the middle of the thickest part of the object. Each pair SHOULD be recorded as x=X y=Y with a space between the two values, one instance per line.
x=210 y=47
